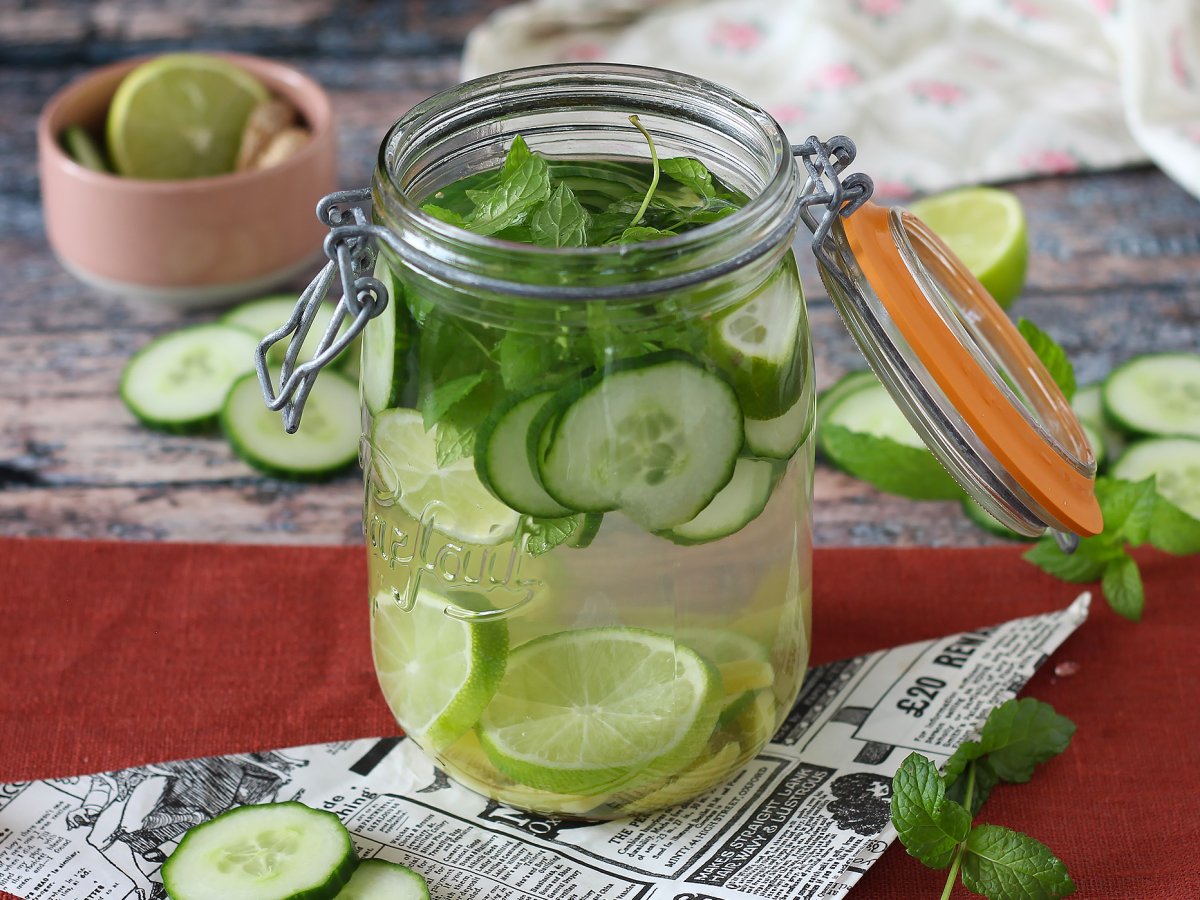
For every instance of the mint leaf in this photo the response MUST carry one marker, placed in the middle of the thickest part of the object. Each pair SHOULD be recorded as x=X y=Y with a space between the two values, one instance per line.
x=636 y=234
x=513 y=199
x=546 y=534
x=1053 y=357
x=523 y=359
x=1128 y=508
x=436 y=403
x=518 y=154
x=690 y=173
x=456 y=430
x=453 y=441
x=1003 y=864
x=889 y=465
x=986 y=780
x=1085 y=565
x=446 y=215
x=929 y=825
x=1172 y=530
x=1020 y=734
x=561 y=221
x=1122 y=586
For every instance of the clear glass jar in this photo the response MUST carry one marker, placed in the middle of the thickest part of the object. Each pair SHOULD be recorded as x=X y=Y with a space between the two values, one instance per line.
x=632 y=622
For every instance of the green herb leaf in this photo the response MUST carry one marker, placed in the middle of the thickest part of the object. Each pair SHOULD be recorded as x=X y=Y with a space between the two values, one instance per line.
x=546 y=534
x=1085 y=565
x=1021 y=734
x=561 y=221
x=518 y=154
x=1122 y=586
x=1128 y=508
x=435 y=404
x=524 y=359
x=636 y=234
x=1002 y=864
x=889 y=465
x=446 y=215
x=1053 y=357
x=986 y=780
x=928 y=824
x=513 y=199
x=691 y=173
x=1172 y=530
x=457 y=429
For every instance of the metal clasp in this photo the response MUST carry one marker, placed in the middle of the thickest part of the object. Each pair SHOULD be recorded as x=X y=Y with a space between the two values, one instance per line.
x=825 y=161
x=351 y=252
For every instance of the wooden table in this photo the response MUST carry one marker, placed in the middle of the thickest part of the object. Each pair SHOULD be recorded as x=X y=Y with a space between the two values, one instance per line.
x=1114 y=271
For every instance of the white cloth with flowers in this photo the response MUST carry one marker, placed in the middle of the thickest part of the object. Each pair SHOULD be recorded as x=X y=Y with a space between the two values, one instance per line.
x=935 y=93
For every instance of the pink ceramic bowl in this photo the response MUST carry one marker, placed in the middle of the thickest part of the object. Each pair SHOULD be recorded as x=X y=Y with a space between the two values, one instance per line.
x=189 y=243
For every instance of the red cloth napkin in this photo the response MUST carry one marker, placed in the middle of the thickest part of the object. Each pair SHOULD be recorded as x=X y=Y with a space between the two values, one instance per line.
x=116 y=654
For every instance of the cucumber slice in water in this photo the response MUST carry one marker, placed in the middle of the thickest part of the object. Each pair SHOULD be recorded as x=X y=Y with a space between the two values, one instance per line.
x=781 y=437
x=178 y=382
x=385 y=344
x=326 y=443
x=503 y=463
x=1176 y=464
x=378 y=879
x=263 y=852
x=1157 y=394
x=656 y=436
x=757 y=343
x=734 y=506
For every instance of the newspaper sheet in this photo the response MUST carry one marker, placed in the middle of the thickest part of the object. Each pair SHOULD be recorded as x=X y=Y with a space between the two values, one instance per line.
x=804 y=819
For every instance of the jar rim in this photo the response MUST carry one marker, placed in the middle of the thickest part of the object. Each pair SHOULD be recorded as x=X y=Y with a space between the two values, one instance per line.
x=636 y=89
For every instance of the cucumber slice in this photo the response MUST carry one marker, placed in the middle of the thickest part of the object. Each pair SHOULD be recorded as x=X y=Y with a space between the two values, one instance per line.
x=261 y=317
x=985 y=520
x=503 y=463
x=866 y=435
x=1176 y=464
x=781 y=437
x=378 y=879
x=736 y=504
x=264 y=852
x=656 y=436
x=585 y=532
x=178 y=382
x=326 y=443
x=1156 y=394
x=1088 y=404
x=758 y=343
x=385 y=344
x=832 y=395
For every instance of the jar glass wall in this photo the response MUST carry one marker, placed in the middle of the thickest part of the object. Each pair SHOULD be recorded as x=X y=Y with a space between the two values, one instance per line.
x=589 y=470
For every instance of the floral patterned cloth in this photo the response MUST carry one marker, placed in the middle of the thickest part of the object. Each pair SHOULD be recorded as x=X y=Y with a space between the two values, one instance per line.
x=935 y=93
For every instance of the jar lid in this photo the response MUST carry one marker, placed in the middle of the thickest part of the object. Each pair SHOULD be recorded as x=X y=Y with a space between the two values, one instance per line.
x=955 y=364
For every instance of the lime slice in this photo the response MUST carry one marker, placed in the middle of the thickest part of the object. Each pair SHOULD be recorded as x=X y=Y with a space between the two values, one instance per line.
x=580 y=712
x=710 y=769
x=181 y=116
x=743 y=662
x=437 y=671
x=452 y=499
x=985 y=227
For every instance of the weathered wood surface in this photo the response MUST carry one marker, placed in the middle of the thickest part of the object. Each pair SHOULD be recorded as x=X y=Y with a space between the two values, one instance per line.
x=1114 y=271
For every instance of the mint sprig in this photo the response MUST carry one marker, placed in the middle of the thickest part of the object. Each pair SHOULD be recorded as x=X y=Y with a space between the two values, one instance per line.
x=932 y=813
x=1052 y=356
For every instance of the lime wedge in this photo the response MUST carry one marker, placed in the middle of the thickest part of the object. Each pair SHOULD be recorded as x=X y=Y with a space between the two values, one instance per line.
x=985 y=227
x=452 y=499
x=586 y=711
x=437 y=671
x=181 y=116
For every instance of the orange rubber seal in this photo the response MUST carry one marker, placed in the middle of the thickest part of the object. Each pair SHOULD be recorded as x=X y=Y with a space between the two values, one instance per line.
x=1052 y=481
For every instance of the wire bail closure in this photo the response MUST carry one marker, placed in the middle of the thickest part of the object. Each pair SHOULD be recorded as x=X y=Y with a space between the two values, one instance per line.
x=351 y=252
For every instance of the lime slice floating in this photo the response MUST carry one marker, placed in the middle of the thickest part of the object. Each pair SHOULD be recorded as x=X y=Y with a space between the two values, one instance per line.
x=580 y=712
x=985 y=227
x=452 y=499
x=713 y=767
x=181 y=116
x=437 y=671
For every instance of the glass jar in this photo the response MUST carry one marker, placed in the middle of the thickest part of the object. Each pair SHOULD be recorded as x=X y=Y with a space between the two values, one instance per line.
x=589 y=470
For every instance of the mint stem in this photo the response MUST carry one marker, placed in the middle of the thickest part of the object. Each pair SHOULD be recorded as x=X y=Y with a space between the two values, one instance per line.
x=653 y=177
x=961 y=848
